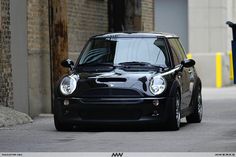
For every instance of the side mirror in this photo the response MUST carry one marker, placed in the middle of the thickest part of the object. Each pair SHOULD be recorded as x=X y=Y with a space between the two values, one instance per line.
x=187 y=63
x=68 y=64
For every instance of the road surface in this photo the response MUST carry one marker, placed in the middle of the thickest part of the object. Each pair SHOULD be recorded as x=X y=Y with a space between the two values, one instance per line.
x=216 y=133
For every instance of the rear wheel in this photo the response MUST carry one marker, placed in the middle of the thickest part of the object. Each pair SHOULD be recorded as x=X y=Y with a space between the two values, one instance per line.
x=196 y=116
x=175 y=114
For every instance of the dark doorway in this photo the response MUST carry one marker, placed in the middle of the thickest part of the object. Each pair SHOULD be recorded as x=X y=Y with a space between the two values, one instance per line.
x=124 y=15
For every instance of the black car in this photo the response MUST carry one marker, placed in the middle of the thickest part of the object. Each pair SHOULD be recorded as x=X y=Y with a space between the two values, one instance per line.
x=129 y=78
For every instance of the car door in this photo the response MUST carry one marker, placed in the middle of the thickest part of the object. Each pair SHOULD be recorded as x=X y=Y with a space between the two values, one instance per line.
x=189 y=74
x=183 y=75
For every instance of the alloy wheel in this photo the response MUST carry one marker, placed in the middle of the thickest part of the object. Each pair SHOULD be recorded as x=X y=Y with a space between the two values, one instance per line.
x=177 y=111
x=199 y=105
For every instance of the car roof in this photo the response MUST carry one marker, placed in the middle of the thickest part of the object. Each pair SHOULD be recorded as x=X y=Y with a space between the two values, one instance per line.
x=136 y=35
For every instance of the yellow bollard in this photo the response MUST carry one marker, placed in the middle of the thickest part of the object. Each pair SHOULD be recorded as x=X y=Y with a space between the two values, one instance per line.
x=231 y=66
x=218 y=70
x=189 y=56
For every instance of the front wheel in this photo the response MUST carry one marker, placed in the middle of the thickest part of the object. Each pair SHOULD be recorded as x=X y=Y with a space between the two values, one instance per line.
x=62 y=126
x=196 y=116
x=175 y=113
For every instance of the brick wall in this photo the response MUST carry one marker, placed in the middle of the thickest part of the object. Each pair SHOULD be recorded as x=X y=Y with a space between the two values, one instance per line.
x=6 y=88
x=148 y=15
x=85 y=18
x=38 y=25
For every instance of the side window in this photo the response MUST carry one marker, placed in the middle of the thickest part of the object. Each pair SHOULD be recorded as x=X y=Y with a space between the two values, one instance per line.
x=162 y=58
x=175 y=51
x=181 y=50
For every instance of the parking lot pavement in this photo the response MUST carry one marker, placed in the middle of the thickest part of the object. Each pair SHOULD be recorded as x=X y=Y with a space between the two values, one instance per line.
x=216 y=133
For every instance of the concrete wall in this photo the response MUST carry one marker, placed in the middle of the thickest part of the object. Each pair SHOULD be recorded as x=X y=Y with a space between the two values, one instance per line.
x=19 y=54
x=207 y=26
x=206 y=68
x=208 y=34
x=202 y=29
x=38 y=57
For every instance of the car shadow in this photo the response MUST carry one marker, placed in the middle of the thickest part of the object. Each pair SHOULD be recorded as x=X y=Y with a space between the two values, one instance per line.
x=124 y=128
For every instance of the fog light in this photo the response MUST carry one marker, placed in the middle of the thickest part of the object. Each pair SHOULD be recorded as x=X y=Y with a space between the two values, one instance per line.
x=66 y=102
x=155 y=113
x=155 y=102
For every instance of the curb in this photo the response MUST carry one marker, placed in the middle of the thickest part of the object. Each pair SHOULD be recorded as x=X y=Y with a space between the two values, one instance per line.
x=11 y=117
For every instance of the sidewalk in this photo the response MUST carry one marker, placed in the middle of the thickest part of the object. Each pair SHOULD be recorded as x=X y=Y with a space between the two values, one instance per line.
x=10 y=117
x=219 y=93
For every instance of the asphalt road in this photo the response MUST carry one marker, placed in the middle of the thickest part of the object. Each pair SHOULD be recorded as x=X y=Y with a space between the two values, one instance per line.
x=216 y=133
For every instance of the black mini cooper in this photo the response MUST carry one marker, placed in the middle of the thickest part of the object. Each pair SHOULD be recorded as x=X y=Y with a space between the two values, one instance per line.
x=129 y=78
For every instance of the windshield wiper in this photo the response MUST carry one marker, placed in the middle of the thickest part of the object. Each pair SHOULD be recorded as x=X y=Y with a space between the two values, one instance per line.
x=140 y=64
x=95 y=67
x=136 y=63
x=96 y=64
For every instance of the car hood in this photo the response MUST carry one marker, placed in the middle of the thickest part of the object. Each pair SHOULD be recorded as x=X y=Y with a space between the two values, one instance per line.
x=115 y=83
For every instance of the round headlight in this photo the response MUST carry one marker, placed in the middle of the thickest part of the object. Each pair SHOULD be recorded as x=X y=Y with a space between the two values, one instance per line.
x=68 y=85
x=157 y=85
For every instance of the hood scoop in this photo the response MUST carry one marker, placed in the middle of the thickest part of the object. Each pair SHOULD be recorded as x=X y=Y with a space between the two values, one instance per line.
x=114 y=79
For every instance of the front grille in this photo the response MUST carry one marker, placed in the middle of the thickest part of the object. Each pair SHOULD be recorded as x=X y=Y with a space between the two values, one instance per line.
x=111 y=93
x=117 y=114
x=111 y=79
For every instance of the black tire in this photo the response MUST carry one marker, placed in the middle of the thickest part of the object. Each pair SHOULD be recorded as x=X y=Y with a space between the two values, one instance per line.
x=196 y=116
x=175 y=113
x=62 y=126
x=59 y=125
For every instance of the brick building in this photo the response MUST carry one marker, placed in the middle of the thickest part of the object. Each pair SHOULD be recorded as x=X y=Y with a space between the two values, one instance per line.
x=25 y=56
x=6 y=86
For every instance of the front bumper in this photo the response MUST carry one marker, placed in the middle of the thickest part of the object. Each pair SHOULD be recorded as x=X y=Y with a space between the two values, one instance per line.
x=112 y=111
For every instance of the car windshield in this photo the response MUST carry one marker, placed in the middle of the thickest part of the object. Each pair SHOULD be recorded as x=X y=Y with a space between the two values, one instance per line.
x=120 y=51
